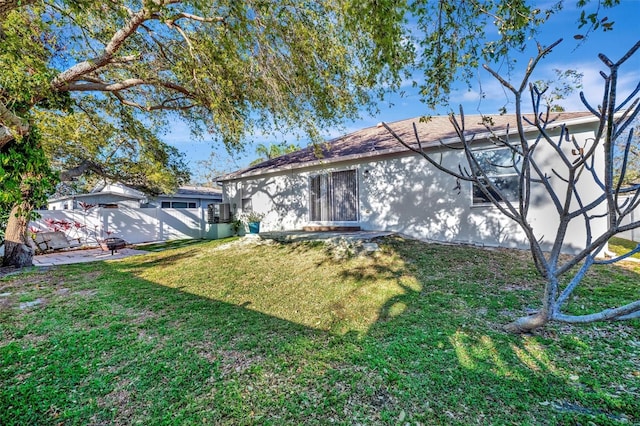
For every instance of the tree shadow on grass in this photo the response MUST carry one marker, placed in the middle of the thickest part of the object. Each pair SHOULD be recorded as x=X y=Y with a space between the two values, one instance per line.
x=165 y=258
x=139 y=351
x=133 y=351
x=444 y=345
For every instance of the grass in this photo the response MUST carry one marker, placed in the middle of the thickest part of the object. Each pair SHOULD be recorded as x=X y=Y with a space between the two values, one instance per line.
x=288 y=334
x=621 y=246
x=166 y=245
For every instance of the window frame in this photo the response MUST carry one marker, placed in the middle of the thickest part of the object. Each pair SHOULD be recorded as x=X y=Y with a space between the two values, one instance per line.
x=477 y=196
x=183 y=205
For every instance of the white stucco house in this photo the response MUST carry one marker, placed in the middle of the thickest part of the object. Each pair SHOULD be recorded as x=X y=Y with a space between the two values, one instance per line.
x=117 y=195
x=367 y=180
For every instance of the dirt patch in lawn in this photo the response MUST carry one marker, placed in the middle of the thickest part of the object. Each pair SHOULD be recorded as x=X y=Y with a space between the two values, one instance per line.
x=118 y=401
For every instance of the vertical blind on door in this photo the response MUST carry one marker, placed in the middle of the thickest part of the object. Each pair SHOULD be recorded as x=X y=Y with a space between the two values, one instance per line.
x=334 y=197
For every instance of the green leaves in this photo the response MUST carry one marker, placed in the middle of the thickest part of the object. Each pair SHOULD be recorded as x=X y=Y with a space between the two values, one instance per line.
x=119 y=145
x=226 y=66
x=556 y=90
x=25 y=52
x=456 y=38
x=25 y=175
x=272 y=151
x=593 y=20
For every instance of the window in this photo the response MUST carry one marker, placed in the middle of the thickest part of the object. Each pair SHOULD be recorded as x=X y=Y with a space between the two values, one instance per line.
x=333 y=197
x=178 y=205
x=500 y=166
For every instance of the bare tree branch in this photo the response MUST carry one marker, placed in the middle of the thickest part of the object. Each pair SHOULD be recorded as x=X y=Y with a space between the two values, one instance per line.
x=600 y=213
x=95 y=85
x=184 y=15
x=605 y=315
x=79 y=170
x=172 y=104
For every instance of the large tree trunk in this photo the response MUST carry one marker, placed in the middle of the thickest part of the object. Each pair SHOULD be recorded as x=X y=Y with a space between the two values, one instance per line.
x=19 y=247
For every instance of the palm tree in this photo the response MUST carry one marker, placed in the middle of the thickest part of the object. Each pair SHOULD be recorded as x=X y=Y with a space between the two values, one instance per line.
x=265 y=152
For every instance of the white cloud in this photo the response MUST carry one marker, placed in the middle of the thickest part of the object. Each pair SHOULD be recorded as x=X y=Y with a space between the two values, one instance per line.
x=593 y=83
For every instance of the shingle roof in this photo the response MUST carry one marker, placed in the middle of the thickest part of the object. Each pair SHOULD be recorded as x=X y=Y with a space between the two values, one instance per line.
x=197 y=190
x=377 y=141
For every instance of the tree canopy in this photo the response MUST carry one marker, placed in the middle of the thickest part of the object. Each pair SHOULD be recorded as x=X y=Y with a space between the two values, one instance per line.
x=454 y=39
x=104 y=140
x=226 y=67
x=273 y=150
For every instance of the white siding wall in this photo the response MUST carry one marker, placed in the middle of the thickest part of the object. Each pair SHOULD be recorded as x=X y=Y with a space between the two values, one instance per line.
x=282 y=198
x=406 y=194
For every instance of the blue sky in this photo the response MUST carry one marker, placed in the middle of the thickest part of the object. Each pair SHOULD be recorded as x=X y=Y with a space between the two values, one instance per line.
x=568 y=55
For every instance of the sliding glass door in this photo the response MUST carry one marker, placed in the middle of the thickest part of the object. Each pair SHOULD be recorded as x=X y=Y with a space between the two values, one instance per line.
x=334 y=197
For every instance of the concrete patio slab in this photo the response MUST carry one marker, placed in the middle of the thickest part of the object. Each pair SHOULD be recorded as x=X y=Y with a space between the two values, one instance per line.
x=82 y=256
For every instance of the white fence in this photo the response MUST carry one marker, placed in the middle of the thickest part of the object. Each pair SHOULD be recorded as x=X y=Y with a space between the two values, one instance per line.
x=134 y=225
x=634 y=234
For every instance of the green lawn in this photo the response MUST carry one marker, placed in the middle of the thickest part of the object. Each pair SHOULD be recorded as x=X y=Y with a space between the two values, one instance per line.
x=621 y=246
x=288 y=334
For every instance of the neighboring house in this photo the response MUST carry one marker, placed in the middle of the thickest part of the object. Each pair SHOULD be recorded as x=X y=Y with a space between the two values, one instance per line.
x=187 y=197
x=114 y=195
x=368 y=180
x=110 y=195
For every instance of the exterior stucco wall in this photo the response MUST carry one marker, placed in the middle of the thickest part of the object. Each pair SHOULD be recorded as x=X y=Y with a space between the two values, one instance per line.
x=283 y=198
x=406 y=194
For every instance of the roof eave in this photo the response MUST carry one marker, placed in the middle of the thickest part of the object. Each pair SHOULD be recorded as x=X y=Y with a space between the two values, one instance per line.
x=391 y=151
x=94 y=194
